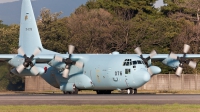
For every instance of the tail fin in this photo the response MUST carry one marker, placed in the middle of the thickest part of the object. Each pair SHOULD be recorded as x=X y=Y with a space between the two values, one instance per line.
x=29 y=38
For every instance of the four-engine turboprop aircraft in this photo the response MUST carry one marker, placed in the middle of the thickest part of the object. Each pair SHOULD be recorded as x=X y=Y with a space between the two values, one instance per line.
x=102 y=73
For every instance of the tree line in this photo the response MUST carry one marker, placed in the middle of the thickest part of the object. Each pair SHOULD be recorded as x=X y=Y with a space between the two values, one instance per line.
x=104 y=26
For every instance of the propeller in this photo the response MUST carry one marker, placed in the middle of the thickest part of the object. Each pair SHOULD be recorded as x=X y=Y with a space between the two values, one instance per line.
x=152 y=54
x=68 y=61
x=28 y=61
x=183 y=60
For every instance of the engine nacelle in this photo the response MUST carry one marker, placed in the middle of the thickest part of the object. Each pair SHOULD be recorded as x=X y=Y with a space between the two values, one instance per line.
x=155 y=70
x=171 y=62
x=16 y=61
x=27 y=72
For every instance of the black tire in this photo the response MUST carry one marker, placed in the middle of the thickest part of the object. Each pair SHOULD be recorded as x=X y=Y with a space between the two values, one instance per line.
x=75 y=91
x=135 y=91
x=66 y=92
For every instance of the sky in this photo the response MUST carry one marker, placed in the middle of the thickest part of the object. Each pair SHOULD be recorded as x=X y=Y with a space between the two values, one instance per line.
x=10 y=9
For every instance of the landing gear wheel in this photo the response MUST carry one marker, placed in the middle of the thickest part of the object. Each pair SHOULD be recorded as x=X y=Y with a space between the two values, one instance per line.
x=130 y=91
x=75 y=90
x=66 y=92
x=135 y=91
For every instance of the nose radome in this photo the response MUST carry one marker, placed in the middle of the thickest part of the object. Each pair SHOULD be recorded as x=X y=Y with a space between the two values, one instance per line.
x=146 y=76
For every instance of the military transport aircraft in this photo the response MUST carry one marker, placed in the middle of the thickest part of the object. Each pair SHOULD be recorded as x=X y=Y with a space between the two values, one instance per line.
x=70 y=72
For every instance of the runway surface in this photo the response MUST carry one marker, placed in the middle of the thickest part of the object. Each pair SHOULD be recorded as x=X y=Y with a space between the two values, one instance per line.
x=58 y=99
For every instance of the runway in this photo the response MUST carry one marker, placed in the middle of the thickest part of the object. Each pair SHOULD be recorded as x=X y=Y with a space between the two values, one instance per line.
x=58 y=99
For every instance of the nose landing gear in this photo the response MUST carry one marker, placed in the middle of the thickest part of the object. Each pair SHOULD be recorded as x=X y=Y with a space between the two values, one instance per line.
x=132 y=91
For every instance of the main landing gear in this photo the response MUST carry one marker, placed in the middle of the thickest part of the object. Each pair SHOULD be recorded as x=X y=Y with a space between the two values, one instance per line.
x=75 y=91
x=131 y=91
x=103 y=91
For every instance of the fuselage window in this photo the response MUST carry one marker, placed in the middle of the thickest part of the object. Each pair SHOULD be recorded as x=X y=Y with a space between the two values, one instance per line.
x=127 y=71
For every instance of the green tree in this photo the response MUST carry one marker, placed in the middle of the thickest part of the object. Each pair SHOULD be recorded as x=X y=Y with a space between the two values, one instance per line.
x=9 y=39
x=96 y=31
x=126 y=9
x=53 y=31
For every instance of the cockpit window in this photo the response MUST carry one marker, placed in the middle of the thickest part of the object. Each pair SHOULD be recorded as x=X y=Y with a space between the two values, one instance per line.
x=139 y=62
x=134 y=62
x=129 y=62
x=124 y=64
x=143 y=62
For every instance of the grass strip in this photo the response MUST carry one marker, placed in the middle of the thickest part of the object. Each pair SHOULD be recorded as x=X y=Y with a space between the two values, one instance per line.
x=102 y=108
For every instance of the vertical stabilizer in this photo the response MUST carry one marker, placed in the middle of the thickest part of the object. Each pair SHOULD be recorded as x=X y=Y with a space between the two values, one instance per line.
x=29 y=38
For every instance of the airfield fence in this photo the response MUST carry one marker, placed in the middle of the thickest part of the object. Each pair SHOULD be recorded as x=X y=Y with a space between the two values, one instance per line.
x=157 y=82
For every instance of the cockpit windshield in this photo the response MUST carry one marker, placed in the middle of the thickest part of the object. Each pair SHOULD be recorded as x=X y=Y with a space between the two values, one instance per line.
x=129 y=62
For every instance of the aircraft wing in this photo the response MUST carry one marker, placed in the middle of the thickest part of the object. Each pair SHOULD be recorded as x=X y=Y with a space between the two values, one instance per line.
x=7 y=57
x=42 y=58
x=48 y=57
x=164 y=56
x=45 y=58
x=39 y=58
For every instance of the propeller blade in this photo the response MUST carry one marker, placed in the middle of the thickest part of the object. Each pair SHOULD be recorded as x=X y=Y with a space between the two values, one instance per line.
x=71 y=49
x=79 y=64
x=21 y=51
x=37 y=51
x=20 y=68
x=179 y=71
x=186 y=48
x=150 y=72
x=153 y=53
x=65 y=73
x=192 y=64
x=58 y=58
x=173 y=56
x=138 y=51
x=34 y=70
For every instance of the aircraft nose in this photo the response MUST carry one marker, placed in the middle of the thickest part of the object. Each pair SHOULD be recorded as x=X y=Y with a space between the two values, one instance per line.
x=146 y=76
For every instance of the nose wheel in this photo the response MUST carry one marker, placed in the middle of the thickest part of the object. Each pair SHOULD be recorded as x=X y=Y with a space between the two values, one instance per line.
x=132 y=91
x=135 y=91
